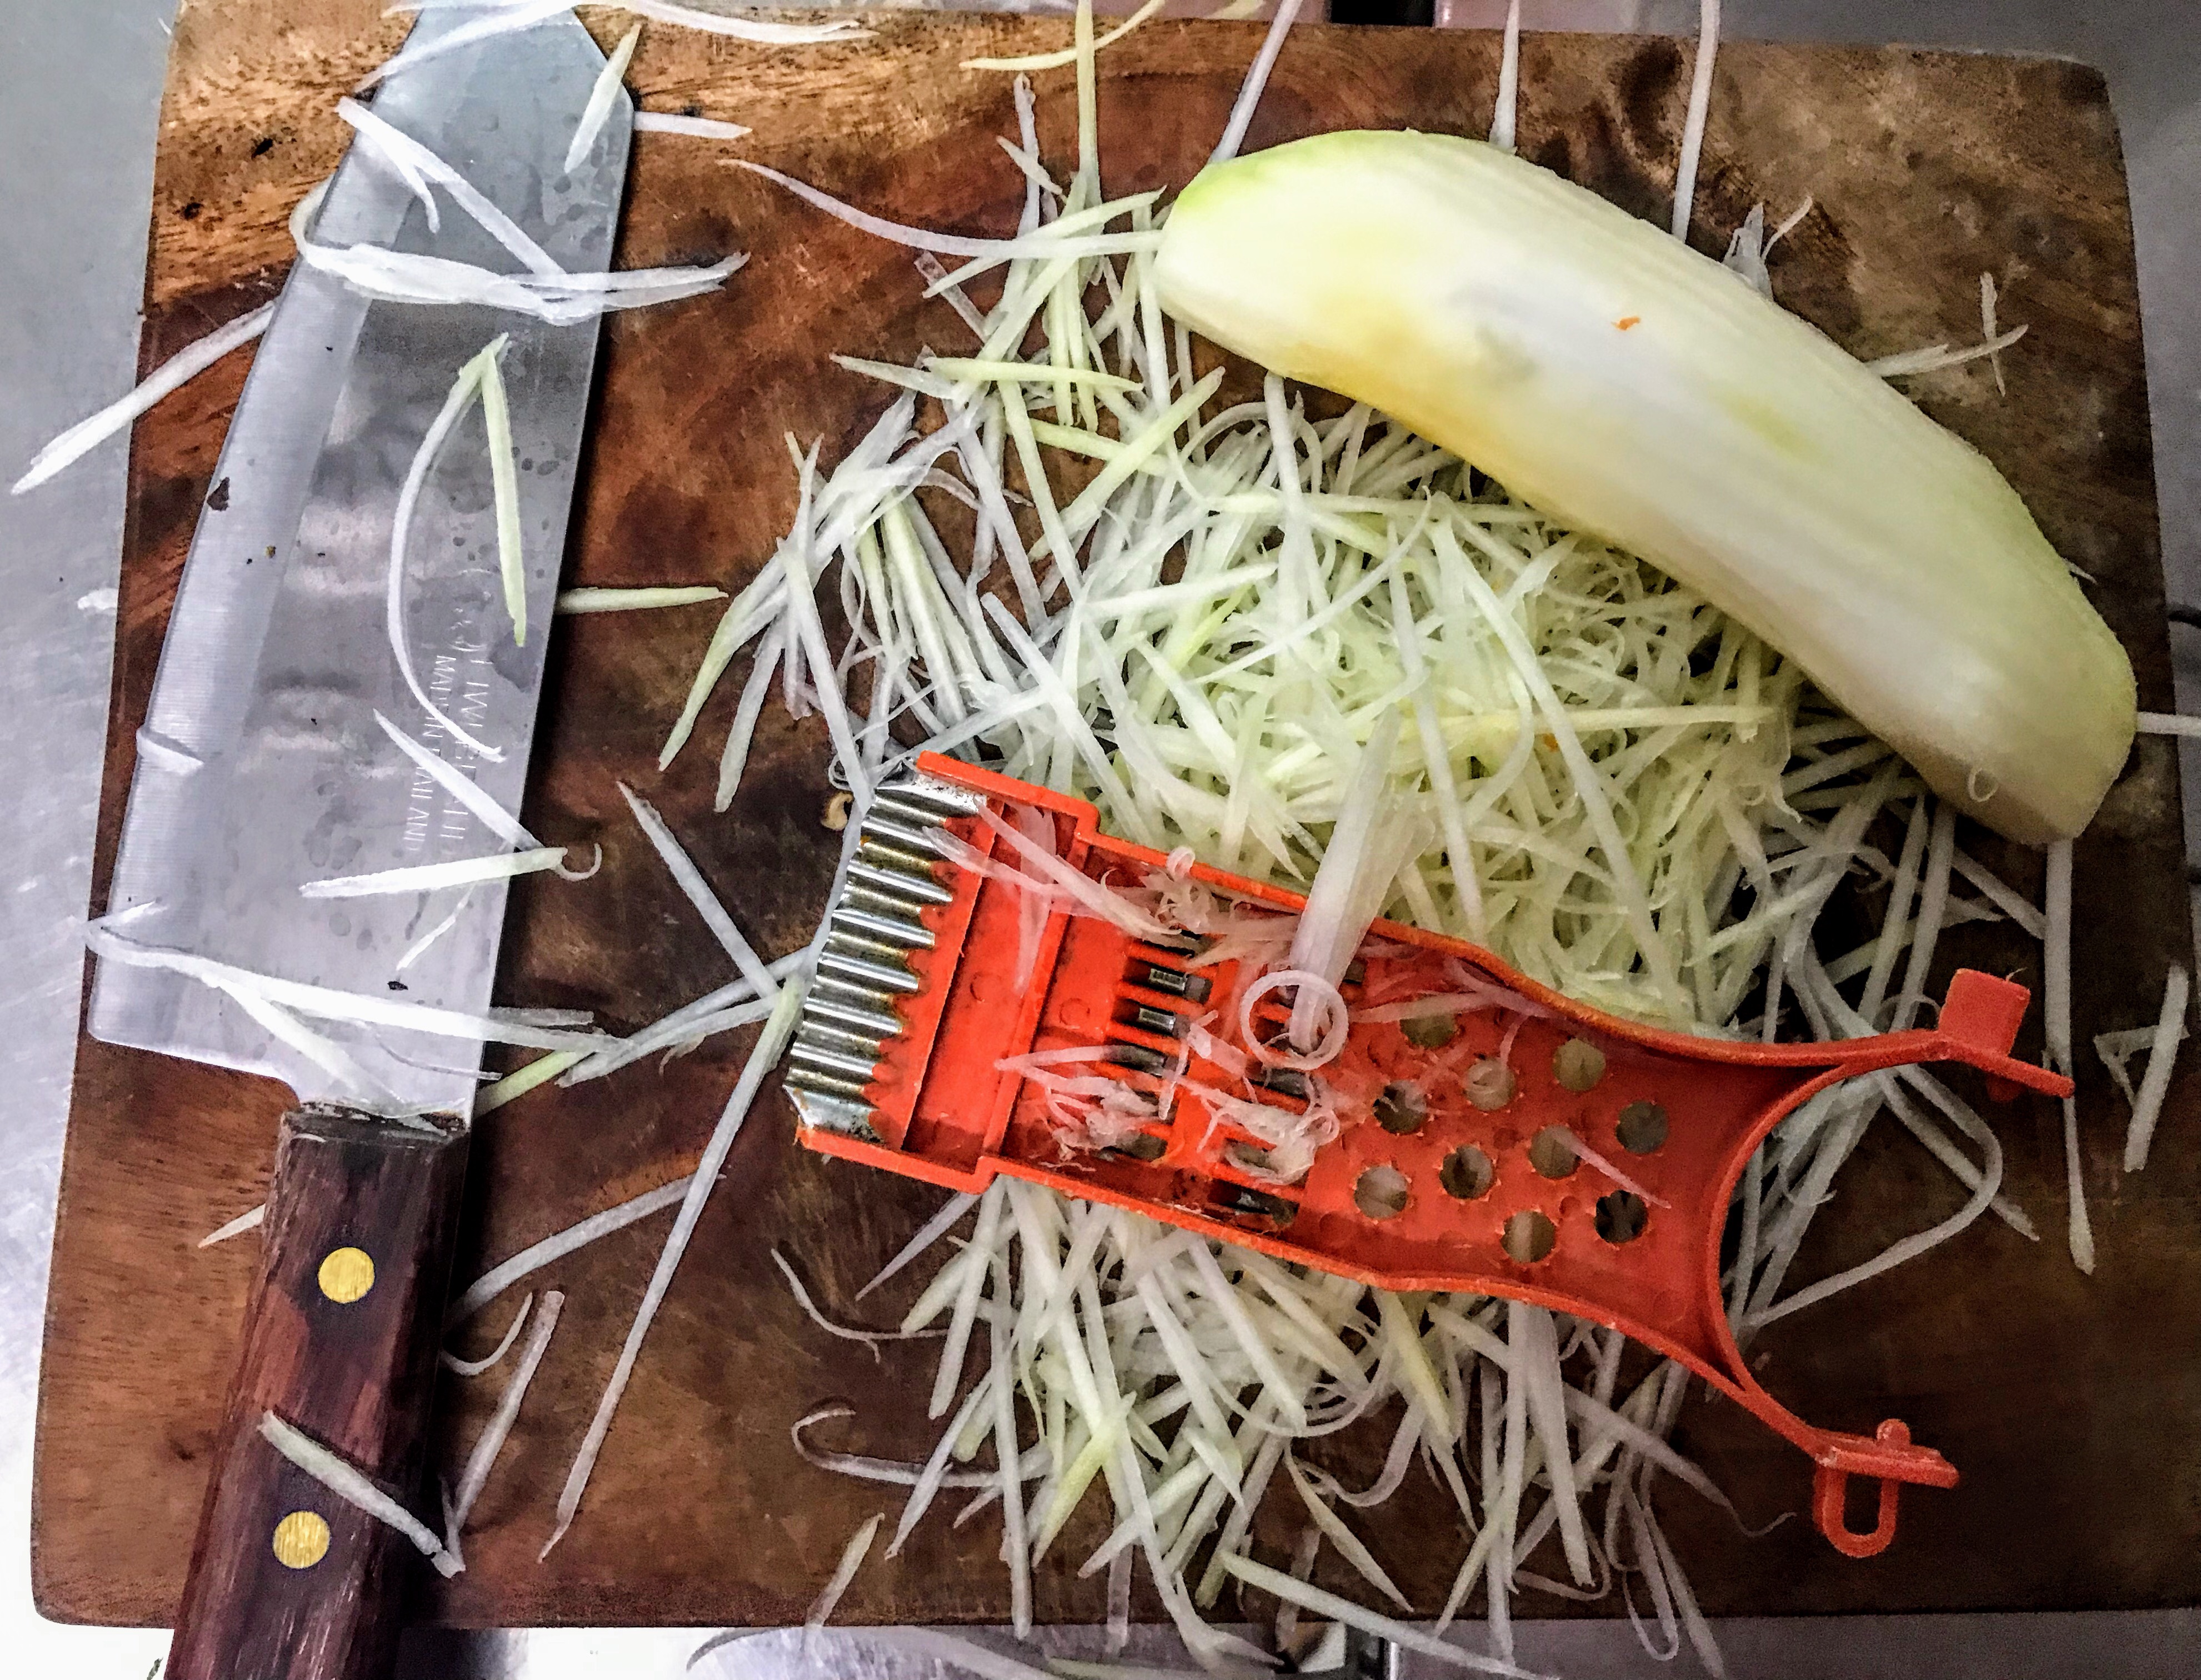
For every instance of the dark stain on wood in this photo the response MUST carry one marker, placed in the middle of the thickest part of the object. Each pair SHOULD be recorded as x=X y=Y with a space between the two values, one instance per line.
x=1645 y=87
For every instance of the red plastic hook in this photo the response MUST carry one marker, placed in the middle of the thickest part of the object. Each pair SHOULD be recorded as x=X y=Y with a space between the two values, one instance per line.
x=1830 y=1488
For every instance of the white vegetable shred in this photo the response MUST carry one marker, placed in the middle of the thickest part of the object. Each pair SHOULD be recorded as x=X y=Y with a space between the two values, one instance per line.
x=634 y=600
x=1503 y=119
x=1055 y=61
x=2162 y=1055
x=506 y=16
x=464 y=390
x=1700 y=109
x=482 y=1458
x=1256 y=82
x=601 y=98
x=502 y=1277
x=251 y=1219
x=349 y=1484
x=504 y=484
x=184 y=365
x=327 y=1003
x=451 y=1362
x=429 y=877
x=698 y=891
x=698 y=128
x=1932 y=358
x=852 y=1558
x=770 y=1046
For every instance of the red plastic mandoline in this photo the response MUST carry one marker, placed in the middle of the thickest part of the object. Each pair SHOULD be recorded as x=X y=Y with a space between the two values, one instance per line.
x=1437 y=1180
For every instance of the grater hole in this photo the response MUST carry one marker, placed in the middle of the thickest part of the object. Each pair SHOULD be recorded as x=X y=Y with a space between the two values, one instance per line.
x=1139 y=1145
x=1550 y=1153
x=1578 y=1065
x=1401 y=1109
x=1467 y=1173
x=1529 y=1237
x=1380 y=1192
x=1238 y=1200
x=1429 y=1032
x=1642 y=1128
x=1249 y=1158
x=1490 y=1085
x=1621 y=1216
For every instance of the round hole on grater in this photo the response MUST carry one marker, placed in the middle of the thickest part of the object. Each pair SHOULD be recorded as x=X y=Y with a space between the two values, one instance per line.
x=1529 y=1237
x=1467 y=1173
x=1621 y=1216
x=1641 y=1128
x=1578 y=1065
x=1401 y=1109
x=1380 y=1192
x=1490 y=1085
x=1550 y=1153
x=1429 y=1032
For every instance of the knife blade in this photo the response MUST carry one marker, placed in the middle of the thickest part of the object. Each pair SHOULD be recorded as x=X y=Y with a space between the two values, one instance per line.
x=261 y=767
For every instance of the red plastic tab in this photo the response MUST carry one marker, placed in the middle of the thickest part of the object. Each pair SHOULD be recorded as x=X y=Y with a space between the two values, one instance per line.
x=1984 y=1012
x=1894 y=1461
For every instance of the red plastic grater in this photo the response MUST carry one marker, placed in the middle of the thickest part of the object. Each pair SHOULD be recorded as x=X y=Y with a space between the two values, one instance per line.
x=1438 y=1181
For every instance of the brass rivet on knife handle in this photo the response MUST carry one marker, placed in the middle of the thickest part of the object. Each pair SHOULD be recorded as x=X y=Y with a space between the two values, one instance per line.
x=301 y=1540
x=345 y=1274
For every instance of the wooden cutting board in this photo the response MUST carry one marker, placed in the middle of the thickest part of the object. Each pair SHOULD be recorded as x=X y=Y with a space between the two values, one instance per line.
x=2070 y=1404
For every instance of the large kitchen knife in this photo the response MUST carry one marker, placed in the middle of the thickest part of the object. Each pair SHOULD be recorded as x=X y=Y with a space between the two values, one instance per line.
x=261 y=767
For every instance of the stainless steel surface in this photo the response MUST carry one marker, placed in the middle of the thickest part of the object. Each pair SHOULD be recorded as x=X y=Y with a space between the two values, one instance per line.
x=2155 y=1645
x=897 y=931
x=828 y=1058
x=830 y=1104
x=916 y=837
x=260 y=764
x=78 y=90
x=866 y=1045
x=926 y=799
x=842 y=956
x=893 y=882
x=826 y=1007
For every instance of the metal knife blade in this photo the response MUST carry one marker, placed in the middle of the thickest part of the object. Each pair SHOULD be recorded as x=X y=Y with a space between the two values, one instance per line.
x=261 y=766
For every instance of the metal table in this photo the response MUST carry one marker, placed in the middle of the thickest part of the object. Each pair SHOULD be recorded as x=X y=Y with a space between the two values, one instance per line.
x=79 y=91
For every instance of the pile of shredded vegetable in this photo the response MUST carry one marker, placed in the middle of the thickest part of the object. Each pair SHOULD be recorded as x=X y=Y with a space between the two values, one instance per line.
x=1215 y=620
x=1296 y=641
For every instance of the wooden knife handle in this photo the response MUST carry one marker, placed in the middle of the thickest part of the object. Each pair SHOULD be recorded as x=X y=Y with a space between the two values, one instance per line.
x=288 y=1582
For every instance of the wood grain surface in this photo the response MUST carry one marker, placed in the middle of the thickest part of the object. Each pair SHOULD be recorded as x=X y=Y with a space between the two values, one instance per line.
x=2069 y=1404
